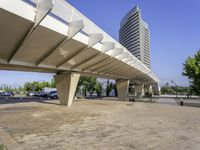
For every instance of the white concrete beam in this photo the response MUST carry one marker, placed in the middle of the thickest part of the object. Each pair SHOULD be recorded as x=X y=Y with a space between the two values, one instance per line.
x=97 y=63
x=108 y=66
x=127 y=59
x=102 y=64
x=123 y=56
x=107 y=46
x=114 y=68
x=122 y=69
x=74 y=28
x=116 y=52
x=94 y=38
x=43 y=9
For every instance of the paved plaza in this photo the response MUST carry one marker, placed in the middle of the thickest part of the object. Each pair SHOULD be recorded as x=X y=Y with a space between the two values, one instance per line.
x=98 y=124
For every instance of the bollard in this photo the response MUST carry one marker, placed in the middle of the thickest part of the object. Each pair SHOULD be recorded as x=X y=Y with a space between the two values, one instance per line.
x=181 y=102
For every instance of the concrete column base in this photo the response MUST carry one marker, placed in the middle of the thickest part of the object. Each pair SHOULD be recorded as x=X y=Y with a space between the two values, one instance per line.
x=66 y=85
x=139 y=89
x=156 y=89
x=147 y=89
x=122 y=89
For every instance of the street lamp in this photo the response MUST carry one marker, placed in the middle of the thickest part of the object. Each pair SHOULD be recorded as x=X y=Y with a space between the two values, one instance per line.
x=175 y=86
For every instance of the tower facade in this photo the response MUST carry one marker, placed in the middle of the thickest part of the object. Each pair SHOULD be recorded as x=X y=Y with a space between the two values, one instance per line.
x=134 y=35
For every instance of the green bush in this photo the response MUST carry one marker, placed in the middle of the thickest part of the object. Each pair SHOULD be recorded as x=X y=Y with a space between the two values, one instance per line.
x=2 y=147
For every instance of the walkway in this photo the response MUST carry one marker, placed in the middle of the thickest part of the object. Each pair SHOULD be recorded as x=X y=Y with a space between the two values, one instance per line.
x=99 y=124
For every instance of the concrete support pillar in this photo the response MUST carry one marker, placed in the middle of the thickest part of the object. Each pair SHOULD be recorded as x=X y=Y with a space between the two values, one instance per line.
x=122 y=88
x=147 y=89
x=156 y=89
x=139 y=89
x=66 y=85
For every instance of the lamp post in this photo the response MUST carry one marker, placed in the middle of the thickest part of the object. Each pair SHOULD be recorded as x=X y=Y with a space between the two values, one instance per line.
x=189 y=90
x=175 y=86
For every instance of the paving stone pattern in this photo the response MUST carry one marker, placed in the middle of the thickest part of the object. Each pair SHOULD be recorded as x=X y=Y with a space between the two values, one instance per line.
x=99 y=124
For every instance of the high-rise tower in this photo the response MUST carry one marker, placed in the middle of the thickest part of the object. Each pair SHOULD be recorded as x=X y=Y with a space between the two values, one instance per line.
x=134 y=35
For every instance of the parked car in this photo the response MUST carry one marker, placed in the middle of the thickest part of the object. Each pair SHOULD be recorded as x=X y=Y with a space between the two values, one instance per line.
x=42 y=94
x=7 y=94
x=30 y=94
x=53 y=94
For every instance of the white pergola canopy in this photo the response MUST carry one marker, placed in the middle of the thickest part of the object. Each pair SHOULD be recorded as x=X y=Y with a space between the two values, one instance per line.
x=52 y=36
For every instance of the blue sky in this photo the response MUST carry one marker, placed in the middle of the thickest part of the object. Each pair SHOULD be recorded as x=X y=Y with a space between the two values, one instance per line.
x=174 y=26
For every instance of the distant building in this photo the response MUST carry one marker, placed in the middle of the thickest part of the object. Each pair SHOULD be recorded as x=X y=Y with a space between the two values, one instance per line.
x=134 y=35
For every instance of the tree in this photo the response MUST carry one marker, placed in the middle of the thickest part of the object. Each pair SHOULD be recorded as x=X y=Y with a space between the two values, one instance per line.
x=98 y=88
x=7 y=88
x=87 y=84
x=167 y=89
x=91 y=85
x=115 y=89
x=109 y=88
x=28 y=86
x=192 y=71
x=37 y=86
x=53 y=83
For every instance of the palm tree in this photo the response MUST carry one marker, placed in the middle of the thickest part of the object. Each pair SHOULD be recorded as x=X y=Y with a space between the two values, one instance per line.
x=98 y=88
x=91 y=85
x=109 y=88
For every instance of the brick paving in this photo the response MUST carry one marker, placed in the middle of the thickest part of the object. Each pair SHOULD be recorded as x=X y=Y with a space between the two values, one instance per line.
x=98 y=124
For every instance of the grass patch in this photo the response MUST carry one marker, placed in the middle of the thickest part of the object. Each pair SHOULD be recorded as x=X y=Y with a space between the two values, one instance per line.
x=2 y=147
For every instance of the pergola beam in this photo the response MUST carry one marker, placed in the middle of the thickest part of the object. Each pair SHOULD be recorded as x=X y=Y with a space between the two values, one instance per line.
x=95 y=64
x=105 y=67
x=103 y=63
x=125 y=70
x=43 y=9
x=115 y=52
x=120 y=68
x=94 y=38
x=114 y=69
x=107 y=46
x=74 y=28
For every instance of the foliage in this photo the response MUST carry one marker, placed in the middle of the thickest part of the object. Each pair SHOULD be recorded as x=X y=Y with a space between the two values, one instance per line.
x=115 y=89
x=53 y=83
x=167 y=89
x=171 y=90
x=91 y=85
x=7 y=88
x=98 y=88
x=192 y=71
x=109 y=88
x=2 y=147
x=87 y=84
x=37 y=86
